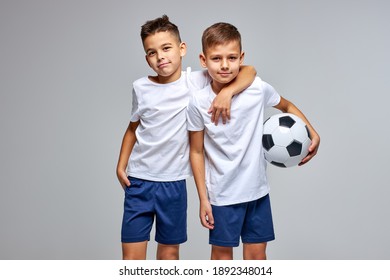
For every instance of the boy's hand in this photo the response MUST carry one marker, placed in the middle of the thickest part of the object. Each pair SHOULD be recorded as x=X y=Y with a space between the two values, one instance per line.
x=206 y=215
x=123 y=180
x=315 y=144
x=220 y=107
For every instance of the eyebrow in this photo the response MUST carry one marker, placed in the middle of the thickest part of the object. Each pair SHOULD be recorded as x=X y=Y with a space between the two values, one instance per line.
x=162 y=46
x=218 y=54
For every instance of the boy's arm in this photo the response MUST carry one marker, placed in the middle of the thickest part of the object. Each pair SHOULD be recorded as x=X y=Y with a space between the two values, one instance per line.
x=220 y=107
x=198 y=170
x=288 y=107
x=128 y=142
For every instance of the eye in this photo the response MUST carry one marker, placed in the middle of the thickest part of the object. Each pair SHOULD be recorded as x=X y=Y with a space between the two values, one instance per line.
x=165 y=49
x=151 y=53
x=233 y=58
x=216 y=59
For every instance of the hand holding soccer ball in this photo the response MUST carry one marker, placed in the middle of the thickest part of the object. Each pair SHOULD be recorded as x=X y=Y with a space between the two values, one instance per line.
x=286 y=140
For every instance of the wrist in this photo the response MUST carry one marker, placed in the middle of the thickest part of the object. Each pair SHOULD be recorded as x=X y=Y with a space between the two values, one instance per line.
x=225 y=91
x=120 y=169
x=203 y=198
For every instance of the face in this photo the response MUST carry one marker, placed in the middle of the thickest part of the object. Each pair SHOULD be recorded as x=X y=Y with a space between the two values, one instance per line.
x=164 y=54
x=223 y=63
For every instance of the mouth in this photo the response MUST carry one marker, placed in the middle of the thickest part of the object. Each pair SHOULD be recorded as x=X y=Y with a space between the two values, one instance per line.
x=162 y=65
x=224 y=74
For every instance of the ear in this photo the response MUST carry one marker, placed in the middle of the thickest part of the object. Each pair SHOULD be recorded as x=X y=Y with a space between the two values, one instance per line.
x=183 y=49
x=202 y=59
x=242 y=58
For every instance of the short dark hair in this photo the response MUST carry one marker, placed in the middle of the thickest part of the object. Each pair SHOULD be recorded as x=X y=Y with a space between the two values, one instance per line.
x=160 y=24
x=218 y=34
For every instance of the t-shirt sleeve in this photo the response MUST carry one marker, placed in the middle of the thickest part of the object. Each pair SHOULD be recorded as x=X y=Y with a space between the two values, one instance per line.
x=194 y=117
x=199 y=79
x=135 y=116
x=272 y=97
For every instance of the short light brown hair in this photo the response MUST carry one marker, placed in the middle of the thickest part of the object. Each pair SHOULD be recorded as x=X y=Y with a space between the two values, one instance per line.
x=220 y=34
x=161 y=24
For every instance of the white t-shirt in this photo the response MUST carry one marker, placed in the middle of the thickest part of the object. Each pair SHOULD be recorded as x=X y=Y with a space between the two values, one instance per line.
x=161 y=152
x=234 y=161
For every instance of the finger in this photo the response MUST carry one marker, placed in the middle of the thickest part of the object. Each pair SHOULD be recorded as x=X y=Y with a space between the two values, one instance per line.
x=213 y=116
x=306 y=159
x=207 y=225
x=204 y=222
x=217 y=114
x=224 y=117
x=212 y=112
x=125 y=182
x=228 y=114
x=211 y=109
x=312 y=146
x=210 y=219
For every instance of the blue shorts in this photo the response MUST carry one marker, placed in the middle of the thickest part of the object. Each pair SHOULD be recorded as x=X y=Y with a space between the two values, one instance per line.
x=164 y=201
x=252 y=221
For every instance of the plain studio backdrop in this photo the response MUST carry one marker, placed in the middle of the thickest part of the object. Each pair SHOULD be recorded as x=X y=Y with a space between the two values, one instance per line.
x=66 y=74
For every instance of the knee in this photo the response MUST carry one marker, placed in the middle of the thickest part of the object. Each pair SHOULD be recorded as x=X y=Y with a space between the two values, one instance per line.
x=133 y=256
x=255 y=251
x=255 y=256
x=167 y=252
x=221 y=253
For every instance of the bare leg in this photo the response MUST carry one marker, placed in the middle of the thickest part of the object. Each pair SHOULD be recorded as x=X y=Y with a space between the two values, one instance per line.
x=255 y=251
x=167 y=252
x=134 y=251
x=221 y=253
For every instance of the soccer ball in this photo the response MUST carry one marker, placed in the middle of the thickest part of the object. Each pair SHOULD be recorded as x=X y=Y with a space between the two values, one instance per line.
x=286 y=140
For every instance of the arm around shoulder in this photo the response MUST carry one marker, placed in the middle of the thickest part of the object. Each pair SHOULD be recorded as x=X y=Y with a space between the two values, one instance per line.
x=220 y=107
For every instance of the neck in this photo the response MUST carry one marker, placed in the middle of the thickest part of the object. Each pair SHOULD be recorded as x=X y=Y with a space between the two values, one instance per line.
x=167 y=79
x=217 y=87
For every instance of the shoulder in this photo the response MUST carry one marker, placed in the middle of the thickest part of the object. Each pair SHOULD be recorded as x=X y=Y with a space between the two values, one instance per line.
x=197 y=73
x=259 y=85
x=141 y=82
x=197 y=79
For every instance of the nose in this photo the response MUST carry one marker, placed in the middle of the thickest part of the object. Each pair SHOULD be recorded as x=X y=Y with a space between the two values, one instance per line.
x=224 y=64
x=160 y=55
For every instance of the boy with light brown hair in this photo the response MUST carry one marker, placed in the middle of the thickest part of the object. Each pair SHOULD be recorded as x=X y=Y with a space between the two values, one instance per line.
x=227 y=161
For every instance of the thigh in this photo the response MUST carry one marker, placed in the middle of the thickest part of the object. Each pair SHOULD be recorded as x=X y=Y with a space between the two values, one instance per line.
x=258 y=225
x=228 y=221
x=138 y=212
x=171 y=212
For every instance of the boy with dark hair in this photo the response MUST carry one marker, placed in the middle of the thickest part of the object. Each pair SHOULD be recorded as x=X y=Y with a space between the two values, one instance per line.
x=154 y=157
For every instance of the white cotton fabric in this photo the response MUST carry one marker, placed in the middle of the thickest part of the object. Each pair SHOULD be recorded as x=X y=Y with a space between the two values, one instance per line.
x=161 y=152
x=234 y=160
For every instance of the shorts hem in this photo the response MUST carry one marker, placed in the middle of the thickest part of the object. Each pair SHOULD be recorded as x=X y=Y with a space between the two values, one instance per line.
x=224 y=243
x=171 y=242
x=135 y=239
x=259 y=240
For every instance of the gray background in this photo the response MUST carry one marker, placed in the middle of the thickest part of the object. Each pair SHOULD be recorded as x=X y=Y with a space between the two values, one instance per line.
x=66 y=73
